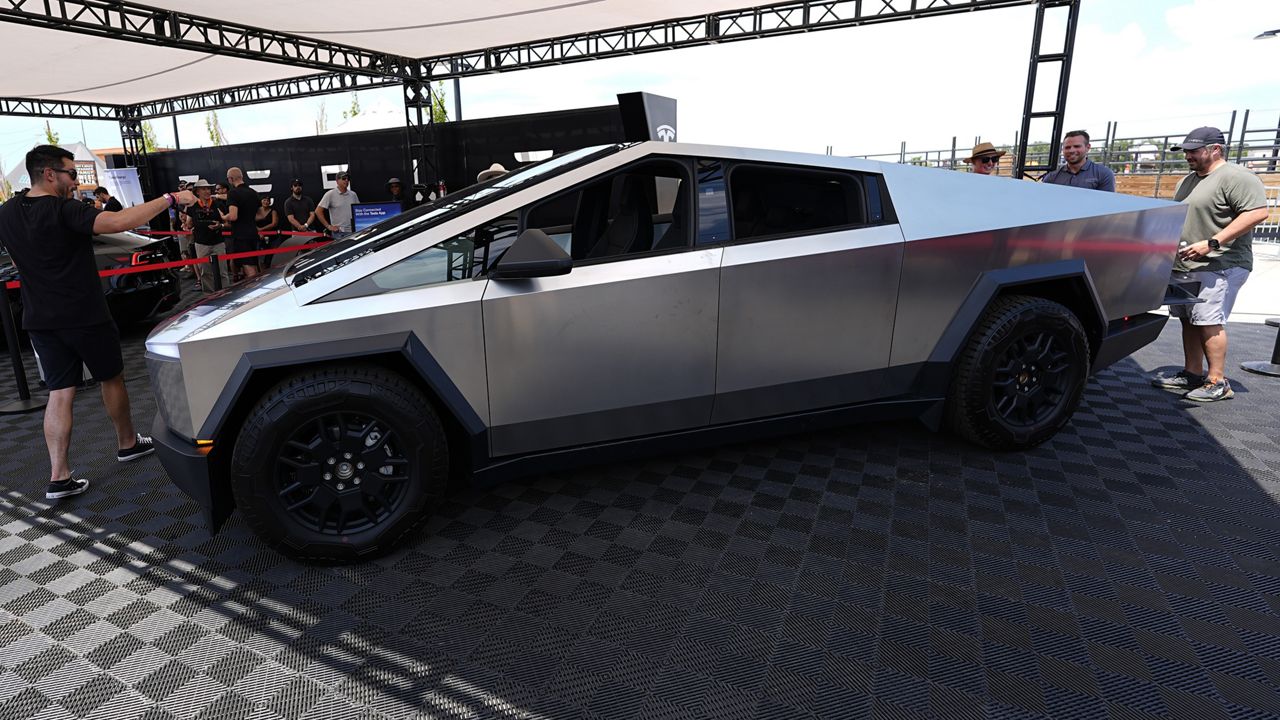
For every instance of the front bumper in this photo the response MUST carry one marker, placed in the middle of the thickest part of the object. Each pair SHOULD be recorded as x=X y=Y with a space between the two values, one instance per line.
x=1127 y=336
x=193 y=470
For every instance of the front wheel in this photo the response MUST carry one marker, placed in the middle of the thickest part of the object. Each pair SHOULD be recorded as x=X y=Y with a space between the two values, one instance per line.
x=1021 y=375
x=339 y=464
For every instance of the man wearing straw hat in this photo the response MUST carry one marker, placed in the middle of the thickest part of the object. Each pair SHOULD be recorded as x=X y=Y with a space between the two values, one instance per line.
x=985 y=158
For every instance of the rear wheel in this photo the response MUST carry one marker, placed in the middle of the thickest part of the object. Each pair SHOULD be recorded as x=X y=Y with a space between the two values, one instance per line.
x=1021 y=375
x=339 y=464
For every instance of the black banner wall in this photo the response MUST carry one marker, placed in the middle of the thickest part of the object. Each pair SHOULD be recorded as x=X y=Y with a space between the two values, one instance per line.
x=465 y=149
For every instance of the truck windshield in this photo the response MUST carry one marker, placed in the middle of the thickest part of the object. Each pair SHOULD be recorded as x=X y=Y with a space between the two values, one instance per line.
x=325 y=260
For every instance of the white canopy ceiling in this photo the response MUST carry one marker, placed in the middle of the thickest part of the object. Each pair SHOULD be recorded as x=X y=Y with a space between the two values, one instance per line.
x=59 y=65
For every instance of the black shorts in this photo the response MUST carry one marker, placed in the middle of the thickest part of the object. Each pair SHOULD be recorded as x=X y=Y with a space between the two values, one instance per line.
x=64 y=350
x=239 y=245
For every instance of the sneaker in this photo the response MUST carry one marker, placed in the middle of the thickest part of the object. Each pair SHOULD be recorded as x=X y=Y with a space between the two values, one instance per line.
x=1211 y=391
x=1181 y=380
x=142 y=447
x=66 y=488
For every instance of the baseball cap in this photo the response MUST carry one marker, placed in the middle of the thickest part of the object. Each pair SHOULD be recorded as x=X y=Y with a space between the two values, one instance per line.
x=1200 y=137
x=295 y=181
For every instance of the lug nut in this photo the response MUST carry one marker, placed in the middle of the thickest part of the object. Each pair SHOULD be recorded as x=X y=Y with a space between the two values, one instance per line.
x=356 y=481
x=346 y=456
x=341 y=486
x=332 y=460
x=327 y=476
x=359 y=466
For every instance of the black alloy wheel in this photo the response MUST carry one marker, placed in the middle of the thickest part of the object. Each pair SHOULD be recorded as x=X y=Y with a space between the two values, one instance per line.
x=1020 y=376
x=1032 y=379
x=343 y=473
x=339 y=464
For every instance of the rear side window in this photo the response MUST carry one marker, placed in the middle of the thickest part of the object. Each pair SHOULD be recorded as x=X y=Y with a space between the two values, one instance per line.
x=774 y=201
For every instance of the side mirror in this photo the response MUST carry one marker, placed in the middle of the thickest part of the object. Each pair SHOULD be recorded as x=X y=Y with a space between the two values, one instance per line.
x=534 y=254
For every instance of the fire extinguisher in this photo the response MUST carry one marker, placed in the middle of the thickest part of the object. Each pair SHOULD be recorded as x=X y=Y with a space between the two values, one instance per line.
x=441 y=190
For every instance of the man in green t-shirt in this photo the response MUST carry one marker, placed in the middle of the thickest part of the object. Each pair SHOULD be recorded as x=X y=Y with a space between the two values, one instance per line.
x=1224 y=202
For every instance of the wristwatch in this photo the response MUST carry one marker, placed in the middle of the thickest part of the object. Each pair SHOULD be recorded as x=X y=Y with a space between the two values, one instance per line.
x=1214 y=245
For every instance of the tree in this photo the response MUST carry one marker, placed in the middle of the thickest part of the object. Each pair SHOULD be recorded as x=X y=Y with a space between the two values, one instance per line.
x=216 y=136
x=149 y=144
x=50 y=136
x=354 y=110
x=439 y=110
x=322 y=119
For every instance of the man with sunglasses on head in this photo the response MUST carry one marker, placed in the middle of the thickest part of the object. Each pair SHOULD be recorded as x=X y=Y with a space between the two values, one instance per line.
x=49 y=235
x=1079 y=171
x=984 y=159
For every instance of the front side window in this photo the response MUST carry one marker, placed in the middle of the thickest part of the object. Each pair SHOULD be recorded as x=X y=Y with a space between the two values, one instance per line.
x=772 y=201
x=644 y=208
x=461 y=257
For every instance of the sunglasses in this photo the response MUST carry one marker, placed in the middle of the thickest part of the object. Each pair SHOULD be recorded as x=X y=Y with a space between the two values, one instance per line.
x=987 y=160
x=68 y=173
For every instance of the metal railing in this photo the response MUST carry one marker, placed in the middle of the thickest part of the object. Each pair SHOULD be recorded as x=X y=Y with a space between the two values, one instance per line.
x=1256 y=147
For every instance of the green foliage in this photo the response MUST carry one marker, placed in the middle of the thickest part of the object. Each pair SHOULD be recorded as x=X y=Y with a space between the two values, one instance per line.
x=439 y=108
x=216 y=136
x=50 y=137
x=354 y=110
x=148 y=137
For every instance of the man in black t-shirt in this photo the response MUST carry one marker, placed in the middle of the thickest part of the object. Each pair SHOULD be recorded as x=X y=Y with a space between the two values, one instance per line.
x=299 y=209
x=105 y=201
x=49 y=235
x=242 y=206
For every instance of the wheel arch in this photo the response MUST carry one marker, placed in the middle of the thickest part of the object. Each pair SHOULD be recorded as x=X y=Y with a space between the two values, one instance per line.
x=1066 y=282
x=259 y=370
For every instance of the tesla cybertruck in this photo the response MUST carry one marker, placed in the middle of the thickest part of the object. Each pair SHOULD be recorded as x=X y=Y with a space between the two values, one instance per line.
x=639 y=297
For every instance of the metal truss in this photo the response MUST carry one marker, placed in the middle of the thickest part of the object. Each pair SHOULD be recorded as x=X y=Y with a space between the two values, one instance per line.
x=120 y=20
x=308 y=86
x=1059 y=62
x=135 y=147
x=420 y=132
x=783 y=19
x=32 y=107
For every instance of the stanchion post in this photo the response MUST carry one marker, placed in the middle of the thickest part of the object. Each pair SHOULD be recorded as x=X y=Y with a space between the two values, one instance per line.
x=24 y=403
x=217 y=272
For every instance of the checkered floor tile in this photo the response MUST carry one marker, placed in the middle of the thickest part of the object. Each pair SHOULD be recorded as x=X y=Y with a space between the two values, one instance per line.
x=1128 y=569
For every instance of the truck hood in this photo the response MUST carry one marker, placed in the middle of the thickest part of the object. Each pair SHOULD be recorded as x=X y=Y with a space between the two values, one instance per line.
x=214 y=310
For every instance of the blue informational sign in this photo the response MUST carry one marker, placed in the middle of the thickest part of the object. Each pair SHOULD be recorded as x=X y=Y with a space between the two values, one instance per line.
x=366 y=214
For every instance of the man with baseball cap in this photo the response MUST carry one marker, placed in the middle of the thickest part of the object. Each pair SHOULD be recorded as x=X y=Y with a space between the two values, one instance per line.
x=1224 y=202
x=985 y=158
x=299 y=209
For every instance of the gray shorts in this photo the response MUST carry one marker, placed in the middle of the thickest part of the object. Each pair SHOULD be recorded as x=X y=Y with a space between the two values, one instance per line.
x=1218 y=289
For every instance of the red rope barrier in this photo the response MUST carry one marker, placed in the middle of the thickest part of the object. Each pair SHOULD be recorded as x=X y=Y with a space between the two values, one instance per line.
x=15 y=284
x=162 y=233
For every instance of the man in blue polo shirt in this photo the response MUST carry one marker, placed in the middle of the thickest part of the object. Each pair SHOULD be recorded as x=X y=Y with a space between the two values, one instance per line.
x=1080 y=171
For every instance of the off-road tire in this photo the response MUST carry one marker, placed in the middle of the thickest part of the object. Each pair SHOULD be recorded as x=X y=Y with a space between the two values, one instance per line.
x=1020 y=376
x=297 y=453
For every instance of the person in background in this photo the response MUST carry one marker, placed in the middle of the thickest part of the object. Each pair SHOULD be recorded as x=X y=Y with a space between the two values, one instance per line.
x=203 y=219
x=334 y=210
x=268 y=221
x=396 y=190
x=242 y=209
x=49 y=235
x=105 y=202
x=1079 y=171
x=493 y=171
x=1224 y=201
x=299 y=209
x=985 y=159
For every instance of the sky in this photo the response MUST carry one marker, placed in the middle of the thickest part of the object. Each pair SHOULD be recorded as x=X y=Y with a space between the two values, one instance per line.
x=1151 y=66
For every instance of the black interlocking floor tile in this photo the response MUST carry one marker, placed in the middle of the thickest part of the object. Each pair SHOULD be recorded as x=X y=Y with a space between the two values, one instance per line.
x=1128 y=568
